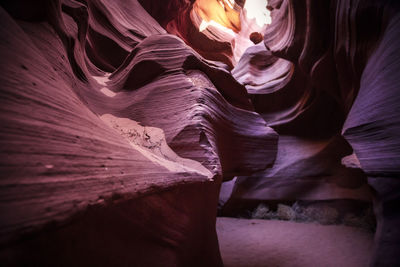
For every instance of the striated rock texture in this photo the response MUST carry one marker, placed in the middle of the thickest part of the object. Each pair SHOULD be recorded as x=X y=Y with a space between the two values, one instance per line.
x=121 y=119
x=115 y=137
x=327 y=82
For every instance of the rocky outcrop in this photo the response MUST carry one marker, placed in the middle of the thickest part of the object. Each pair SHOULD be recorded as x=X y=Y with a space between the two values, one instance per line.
x=115 y=137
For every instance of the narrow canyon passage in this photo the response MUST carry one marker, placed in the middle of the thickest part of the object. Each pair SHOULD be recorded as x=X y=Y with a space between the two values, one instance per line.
x=199 y=133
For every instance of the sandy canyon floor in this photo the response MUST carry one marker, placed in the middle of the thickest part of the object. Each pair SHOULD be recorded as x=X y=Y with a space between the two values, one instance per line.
x=273 y=243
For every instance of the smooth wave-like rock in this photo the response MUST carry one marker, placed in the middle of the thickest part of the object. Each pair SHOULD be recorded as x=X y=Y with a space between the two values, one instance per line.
x=120 y=120
x=115 y=137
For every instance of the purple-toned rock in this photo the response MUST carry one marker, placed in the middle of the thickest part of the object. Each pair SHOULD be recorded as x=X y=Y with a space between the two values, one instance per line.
x=330 y=69
x=121 y=119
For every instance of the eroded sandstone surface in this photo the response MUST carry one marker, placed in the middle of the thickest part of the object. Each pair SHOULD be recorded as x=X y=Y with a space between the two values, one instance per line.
x=120 y=120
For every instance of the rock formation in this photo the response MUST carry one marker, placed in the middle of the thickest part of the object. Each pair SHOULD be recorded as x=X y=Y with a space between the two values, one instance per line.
x=120 y=120
x=327 y=82
x=115 y=138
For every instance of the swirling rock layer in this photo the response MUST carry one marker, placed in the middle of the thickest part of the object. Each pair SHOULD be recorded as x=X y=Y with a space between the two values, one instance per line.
x=115 y=137
x=117 y=129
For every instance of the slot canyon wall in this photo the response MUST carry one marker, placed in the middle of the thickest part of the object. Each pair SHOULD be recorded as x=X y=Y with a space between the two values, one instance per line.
x=327 y=81
x=120 y=121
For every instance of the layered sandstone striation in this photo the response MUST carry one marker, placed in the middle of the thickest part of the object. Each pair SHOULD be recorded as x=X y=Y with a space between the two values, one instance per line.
x=115 y=137
x=120 y=120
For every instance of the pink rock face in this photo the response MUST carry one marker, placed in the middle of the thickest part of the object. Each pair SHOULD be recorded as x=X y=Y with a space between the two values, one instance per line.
x=115 y=137
x=120 y=120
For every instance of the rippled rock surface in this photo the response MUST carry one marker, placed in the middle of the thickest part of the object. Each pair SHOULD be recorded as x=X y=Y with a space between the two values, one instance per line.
x=115 y=137
x=120 y=120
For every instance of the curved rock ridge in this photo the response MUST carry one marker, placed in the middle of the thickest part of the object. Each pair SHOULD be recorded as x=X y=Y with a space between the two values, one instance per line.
x=329 y=70
x=117 y=27
x=261 y=72
x=115 y=137
x=121 y=119
x=181 y=72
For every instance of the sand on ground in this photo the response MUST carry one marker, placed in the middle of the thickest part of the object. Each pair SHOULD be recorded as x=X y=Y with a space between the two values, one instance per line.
x=274 y=243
